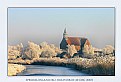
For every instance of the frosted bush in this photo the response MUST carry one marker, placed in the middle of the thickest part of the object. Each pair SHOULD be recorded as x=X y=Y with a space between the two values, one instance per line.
x=13 y=54
x=13 y=69
x=108 y=49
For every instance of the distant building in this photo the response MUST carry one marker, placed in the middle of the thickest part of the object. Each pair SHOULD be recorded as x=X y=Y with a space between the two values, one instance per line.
x=78 y=42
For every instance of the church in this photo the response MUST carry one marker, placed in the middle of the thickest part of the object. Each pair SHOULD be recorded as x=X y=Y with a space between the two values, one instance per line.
x=78 y=42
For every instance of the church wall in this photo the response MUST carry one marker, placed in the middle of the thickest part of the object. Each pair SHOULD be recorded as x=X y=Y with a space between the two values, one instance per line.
x=63 y=44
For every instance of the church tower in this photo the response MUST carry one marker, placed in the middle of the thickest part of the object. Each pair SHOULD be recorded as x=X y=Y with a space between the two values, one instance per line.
x=65 y=35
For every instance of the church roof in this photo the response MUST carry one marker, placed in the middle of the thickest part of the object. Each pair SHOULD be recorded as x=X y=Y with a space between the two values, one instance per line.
x=75 y=40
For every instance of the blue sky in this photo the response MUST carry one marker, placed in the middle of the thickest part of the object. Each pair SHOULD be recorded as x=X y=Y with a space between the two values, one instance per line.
x=48 y=24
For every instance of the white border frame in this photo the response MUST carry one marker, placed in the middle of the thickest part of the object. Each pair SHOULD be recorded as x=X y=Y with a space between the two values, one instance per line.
x=58 y=3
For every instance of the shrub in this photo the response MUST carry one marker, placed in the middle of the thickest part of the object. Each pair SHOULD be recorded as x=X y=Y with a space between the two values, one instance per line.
x=108 y=49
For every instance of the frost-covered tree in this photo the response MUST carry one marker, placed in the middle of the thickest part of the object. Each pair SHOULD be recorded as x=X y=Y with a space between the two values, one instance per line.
x=15 y=51
x=88 y=49
x=44 y=45
x=32 y=51
x=108 y=49
x=71 y=50
x=48 y=54
x=85 y=49
x=91 y=50
x=49 y=48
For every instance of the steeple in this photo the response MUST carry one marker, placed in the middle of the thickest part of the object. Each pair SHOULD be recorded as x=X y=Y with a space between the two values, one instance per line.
x=65 y=35
x=65 y=30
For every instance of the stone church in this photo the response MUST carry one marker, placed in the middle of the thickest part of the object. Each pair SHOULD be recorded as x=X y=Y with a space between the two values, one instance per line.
x=78 y=42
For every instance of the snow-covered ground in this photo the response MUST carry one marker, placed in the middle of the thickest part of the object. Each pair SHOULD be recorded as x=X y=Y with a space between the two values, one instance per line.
x=14 y=69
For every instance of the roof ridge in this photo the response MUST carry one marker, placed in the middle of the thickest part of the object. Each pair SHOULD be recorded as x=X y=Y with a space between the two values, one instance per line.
x=75 y=37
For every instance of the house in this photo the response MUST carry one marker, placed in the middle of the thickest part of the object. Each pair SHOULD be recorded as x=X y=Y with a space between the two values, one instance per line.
x=78 y=42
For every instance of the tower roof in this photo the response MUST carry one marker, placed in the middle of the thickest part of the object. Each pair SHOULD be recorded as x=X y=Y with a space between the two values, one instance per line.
x=65 y=30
